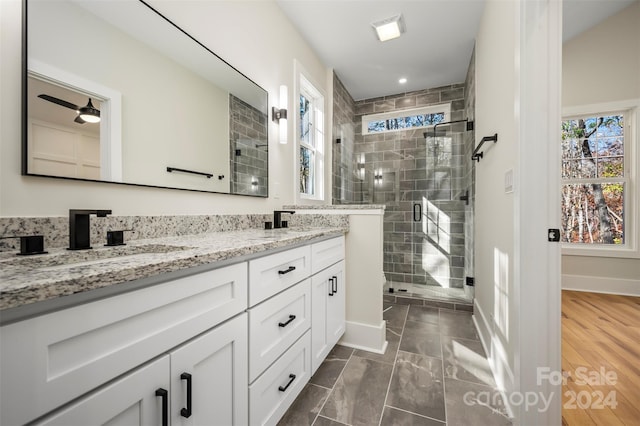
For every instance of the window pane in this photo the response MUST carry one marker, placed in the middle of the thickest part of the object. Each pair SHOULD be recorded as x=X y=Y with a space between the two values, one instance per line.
x=307 y=171
x=610 y=146
x=405 y=122
x=593 y=213
x=611 y=167
x=305 y=120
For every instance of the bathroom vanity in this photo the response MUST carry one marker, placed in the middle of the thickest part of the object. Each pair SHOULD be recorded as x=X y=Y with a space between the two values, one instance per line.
x=225 y=330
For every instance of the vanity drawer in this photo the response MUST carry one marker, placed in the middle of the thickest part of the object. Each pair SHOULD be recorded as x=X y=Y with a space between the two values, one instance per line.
x=326 y=253
x=275 y=324
x=271 y=395
x=271 y=274
x=48 y=360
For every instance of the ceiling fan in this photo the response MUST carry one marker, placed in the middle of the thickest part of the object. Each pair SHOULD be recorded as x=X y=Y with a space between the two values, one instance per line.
x=86 y=114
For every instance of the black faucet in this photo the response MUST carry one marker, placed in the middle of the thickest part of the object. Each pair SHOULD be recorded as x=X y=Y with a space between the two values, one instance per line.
x=79 y=227
x=277 y=217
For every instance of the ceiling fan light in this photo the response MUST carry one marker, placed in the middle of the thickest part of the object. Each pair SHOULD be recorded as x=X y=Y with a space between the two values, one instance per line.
x=89 y=113
x=389 y=28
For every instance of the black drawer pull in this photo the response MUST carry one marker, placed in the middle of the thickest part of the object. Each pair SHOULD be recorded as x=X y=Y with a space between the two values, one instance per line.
x=284 y=324
x=186 y=412
x=335 y=285
x=292 y=377
x=331 y=292
x=286 y=271
x=165 y=405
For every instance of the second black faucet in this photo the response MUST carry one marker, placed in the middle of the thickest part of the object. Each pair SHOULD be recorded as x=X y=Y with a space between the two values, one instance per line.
x=79 y=229
x=277 y=217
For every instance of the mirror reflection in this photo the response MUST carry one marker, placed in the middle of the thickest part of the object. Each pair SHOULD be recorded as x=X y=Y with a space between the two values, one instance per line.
x=117 y=93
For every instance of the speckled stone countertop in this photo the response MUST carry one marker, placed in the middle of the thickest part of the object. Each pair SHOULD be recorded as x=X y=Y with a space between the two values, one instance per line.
x=335 y=207
x=29 y=279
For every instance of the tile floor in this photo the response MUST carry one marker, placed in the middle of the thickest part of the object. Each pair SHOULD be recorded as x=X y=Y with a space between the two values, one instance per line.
x=433 y=373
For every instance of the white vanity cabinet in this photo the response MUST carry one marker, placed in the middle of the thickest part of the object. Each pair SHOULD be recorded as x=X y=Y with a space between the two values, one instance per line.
x=50 y=360
x=213 y=393
x=230 y=346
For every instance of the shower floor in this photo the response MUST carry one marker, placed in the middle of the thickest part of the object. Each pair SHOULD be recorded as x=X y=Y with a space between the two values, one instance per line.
x=455 y=297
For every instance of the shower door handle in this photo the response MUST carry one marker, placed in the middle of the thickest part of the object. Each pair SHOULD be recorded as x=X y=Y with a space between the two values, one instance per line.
x=417 y=212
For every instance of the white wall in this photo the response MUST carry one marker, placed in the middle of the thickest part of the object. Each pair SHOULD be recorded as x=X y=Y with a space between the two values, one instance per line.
x=255 y=37
x=598 y=66
x=496 y=90
x=517 y=285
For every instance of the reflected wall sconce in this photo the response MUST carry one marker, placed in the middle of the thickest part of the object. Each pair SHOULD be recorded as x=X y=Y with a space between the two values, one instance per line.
x=279 y=115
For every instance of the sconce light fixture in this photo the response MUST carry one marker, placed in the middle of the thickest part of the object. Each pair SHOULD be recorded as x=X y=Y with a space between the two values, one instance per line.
x=377 y=177
x=279 y=115
x=361 y=166
x=89 y=113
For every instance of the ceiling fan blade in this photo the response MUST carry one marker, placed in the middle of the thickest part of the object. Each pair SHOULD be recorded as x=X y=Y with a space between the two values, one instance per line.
x=58 y=101
x=79 y=120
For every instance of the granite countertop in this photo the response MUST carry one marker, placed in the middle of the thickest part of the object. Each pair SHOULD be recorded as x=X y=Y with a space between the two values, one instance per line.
x=29 y=279
x=335 y=207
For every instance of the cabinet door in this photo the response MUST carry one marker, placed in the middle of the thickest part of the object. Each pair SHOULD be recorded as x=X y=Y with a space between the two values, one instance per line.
x=327 y=312
x=211 y=371
x=336 y=304
x=129 y=401
x=319 y=337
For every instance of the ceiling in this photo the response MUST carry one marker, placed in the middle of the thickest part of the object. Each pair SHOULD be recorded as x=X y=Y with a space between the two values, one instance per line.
x=434 y=51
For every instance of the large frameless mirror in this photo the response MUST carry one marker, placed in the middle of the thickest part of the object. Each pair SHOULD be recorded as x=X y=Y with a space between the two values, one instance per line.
x=116 y=92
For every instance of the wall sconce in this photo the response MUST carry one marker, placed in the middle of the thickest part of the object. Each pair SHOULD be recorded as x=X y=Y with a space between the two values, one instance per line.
x=279 y=115
x=377 y=177
x=360 y=166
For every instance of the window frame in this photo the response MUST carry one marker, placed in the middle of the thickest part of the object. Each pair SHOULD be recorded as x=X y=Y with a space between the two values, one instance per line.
x=431 y=109
x=631 y=111
x=317 y=99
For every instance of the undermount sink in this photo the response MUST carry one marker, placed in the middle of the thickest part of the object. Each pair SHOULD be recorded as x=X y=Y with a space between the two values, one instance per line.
x=70 y=259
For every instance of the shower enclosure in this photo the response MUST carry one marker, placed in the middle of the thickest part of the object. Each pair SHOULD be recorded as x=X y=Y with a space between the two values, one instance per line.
x=424 y=180
x=423 y=176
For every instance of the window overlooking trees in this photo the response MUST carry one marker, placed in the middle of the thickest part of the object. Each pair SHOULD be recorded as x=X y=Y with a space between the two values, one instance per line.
x=311 y=140
x=595 y=179
x=405 y=119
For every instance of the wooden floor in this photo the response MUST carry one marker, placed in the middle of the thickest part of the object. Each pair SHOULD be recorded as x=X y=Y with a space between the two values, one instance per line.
x=600 y=337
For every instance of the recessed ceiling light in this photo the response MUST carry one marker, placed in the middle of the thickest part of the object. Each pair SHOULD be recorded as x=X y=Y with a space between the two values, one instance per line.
x=402 y=80
x=389 y=28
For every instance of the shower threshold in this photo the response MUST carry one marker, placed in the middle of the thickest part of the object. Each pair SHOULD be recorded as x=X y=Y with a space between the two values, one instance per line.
x=407 y=293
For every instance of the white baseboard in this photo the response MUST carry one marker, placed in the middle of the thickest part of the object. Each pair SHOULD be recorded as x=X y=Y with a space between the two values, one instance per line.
x=496 y=354
x=364 y=336
x=592 y=284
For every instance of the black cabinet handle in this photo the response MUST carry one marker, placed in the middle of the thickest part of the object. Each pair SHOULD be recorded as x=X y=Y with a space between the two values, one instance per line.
x=292 y=377
x=331 y=292
x=165 y=405
x=186 y=412
x=417 y=213
x=284 y=324
x=335 y=285
x=286 y=271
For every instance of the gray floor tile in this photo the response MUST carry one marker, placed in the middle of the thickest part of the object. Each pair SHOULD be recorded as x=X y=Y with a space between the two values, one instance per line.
x=457 y=324
x=395 y=417
x=358 y=396
x=467 y=405
x=417 y=385
x=323 y=421
x=423 y=314
x=328 y=372
x=306 y=407
x=421 y=338
x=395 y=316
x=389 y=356
x=464 y=359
